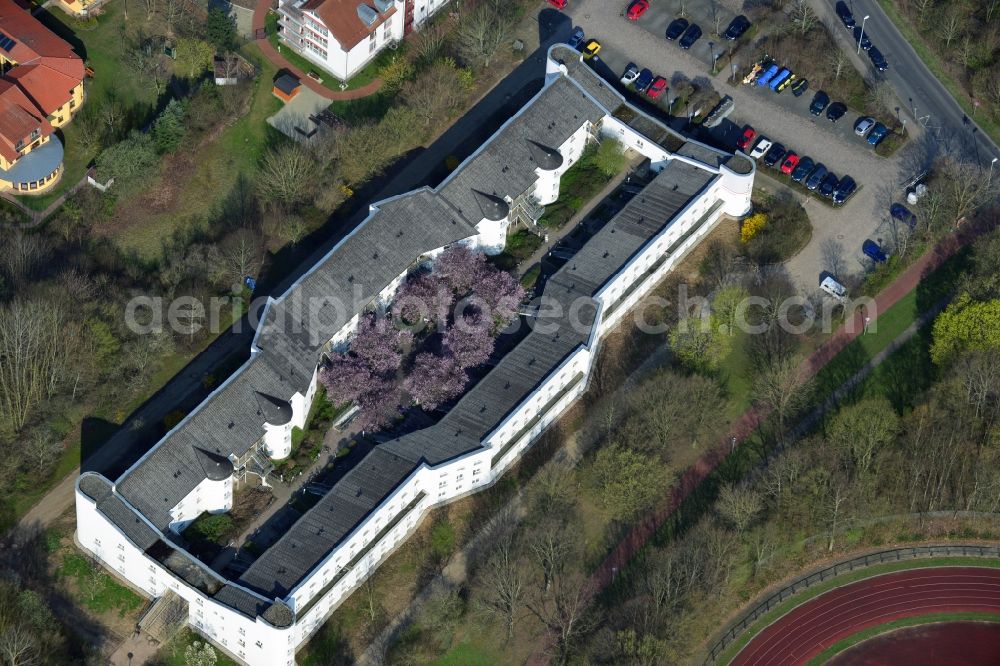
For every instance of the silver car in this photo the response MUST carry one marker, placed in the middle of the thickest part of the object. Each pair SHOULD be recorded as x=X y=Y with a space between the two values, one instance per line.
x=864 y=125
x=630 y=75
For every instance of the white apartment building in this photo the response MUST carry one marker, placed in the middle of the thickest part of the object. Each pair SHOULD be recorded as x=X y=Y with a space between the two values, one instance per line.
x=134 y=525
x=342 y=36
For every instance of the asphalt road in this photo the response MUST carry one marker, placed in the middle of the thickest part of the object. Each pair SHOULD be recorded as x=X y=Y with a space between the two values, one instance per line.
x=921 y=95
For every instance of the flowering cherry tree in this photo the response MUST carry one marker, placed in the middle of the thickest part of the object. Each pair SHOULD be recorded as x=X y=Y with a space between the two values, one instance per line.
x=424 y=296
x=460 y=268
x=379 y=344
x=345 y=378
x=435 y=380
x=501 y=293
x=470 y=341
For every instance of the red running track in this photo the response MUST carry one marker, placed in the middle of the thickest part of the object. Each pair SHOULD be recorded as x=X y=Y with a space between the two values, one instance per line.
x=807 y=630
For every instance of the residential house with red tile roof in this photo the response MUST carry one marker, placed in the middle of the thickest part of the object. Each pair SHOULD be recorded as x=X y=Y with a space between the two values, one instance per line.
x=342 y=36
x=41 y=88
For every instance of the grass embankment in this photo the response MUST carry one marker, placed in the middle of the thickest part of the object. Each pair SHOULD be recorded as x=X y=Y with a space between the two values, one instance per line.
x=820 y=588
x=864 y=635
x=937 y=67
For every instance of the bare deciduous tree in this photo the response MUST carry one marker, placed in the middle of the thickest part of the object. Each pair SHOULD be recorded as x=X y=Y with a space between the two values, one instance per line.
x=504 y=582
x=564 y=611
x=18 y=647
x=31 y=346
x=483 y=30
x=836 y=61
x=285 y=176
x=803 y=16
x=740 y=505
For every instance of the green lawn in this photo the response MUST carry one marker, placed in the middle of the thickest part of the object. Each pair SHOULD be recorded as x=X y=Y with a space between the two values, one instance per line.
x=936 y=66
x=783 y=608
x=172 y=654
x=368 y=74
x=97 y=590
x=102 y=48
x=218 y=166
x=864 y=635
x=469 y=654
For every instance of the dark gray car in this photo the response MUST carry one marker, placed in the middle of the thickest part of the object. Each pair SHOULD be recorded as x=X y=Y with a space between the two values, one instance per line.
x=816 y=177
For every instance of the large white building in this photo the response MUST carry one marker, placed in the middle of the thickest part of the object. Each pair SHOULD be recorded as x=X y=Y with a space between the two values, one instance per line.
x=342 y=36
x=134 y=524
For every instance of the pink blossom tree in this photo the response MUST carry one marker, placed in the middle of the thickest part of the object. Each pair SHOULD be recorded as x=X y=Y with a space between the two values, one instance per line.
x=460 y=268
x=378 y=405
x=345 y=378
x=435 y=380
x=469 y=341
x=501 y=295
x=379 y=344
x=423 y=297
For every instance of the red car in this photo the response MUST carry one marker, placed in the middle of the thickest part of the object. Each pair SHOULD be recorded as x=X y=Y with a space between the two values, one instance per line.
x=657 y=87
x=637 y=9
x=791 y=161
x=749 y=134
x=558 y=4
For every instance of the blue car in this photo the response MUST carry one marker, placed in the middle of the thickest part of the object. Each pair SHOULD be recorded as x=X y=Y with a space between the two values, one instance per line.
x=766 y=77
x=780 y=78
x=645 y=78
x=576 y=38
x=872 y=250
x=901 y=213
x=878 y=133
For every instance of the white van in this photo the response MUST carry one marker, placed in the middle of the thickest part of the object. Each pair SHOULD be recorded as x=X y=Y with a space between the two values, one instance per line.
x=834 y=288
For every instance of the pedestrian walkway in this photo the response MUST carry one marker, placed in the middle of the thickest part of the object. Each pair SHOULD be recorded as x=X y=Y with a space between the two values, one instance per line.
x=259 y=29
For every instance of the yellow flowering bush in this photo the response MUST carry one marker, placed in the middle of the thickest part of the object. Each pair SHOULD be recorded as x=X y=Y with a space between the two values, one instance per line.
x=751 y=226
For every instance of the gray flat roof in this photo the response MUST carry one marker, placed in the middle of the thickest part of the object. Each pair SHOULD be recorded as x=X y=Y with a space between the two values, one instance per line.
x=36 y=165
x=493 y=398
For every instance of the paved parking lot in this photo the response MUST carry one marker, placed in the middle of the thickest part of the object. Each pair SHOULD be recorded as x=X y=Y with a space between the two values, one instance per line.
x=782 y=118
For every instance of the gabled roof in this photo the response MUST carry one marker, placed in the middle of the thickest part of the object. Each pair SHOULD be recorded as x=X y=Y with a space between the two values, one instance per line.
x=48 y=87
x=18 y=119
x=343 y=18
x=31 y=39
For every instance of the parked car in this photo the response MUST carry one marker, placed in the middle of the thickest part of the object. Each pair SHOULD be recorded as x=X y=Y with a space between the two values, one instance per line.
x=637 y=9
x=803 y=168
x=820 y=100
x=862 y=37
x=558 y=4
x=774 y=155
x=780 y=78
x=591 y=48
x=749 y=134
x=836 y=111
x=784 y=84
x=877 y=133
x=846 y=17
x=864 y=125
x=691 y=36
x=799 y=87
x=677 y=28
x=737 y=27
x=645 y=78
x=657 y=87
x=630 y=75
x=828 y=185
x=845 y=188
x=873 y=251
x=834 y=288
x=576 y=38
x=816 y=177
x=790 y=162
x=768 y=74
x=878 y=60
x=901 y=213
x=763 y=145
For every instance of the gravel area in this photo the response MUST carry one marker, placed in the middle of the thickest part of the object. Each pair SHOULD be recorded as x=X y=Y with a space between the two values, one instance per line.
x=782 y=118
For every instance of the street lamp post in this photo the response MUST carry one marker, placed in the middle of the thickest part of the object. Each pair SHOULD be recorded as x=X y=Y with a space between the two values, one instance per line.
x=711 y=46
x=862 y=36
x=992 y=162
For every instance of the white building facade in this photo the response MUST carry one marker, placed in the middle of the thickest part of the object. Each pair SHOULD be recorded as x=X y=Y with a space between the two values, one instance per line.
x=262 y=616
x=342 y=36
